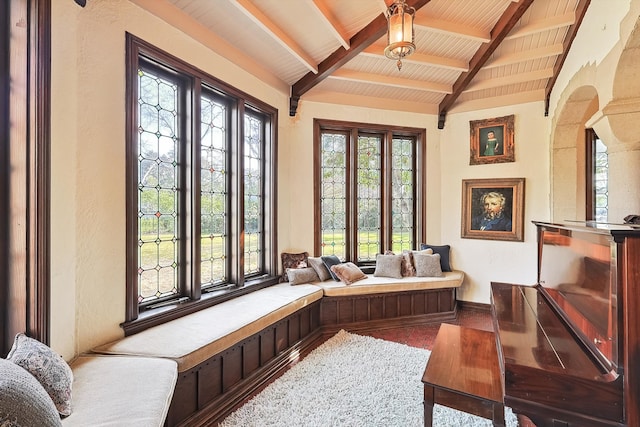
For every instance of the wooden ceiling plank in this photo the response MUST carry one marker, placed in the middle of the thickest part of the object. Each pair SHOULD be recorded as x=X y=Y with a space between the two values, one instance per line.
x=455 y=29
x=332 y=24
x=506 y=22
x=280 y=36
x=551 y=23
x=581 y=10
x=509 y=80
x=359 y=42
x=399 y=82
x=527 y=55
x=377 y=50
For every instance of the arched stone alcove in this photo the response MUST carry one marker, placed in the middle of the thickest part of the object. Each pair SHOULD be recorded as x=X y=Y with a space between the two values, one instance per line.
x=617 y=124
x=568 y=154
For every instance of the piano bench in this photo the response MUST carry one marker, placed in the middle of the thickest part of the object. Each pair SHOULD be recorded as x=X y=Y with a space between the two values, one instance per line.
x=463 y=373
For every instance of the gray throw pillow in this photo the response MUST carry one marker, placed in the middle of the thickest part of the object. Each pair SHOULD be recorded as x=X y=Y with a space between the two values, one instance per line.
x=48 y=367
x=388 y=266
x=427 y=265
x=23 y=400
x=321 y=270
x=302 y=275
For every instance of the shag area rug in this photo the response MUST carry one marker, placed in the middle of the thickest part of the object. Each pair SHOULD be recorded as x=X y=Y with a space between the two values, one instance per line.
x=351 y=380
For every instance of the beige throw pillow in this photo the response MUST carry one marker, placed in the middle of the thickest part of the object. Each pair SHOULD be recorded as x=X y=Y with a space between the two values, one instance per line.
x=318 y=265
x=302 y=275
x=348 y=272
x=388 y=266
x=427 y=265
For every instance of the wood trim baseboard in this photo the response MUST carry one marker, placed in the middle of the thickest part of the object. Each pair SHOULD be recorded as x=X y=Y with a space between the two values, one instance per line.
x=476 y=306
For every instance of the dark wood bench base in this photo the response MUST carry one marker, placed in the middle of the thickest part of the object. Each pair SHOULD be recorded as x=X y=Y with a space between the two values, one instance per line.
x=463 y=373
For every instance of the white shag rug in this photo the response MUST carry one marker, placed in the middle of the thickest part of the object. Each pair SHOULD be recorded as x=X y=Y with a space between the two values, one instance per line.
x=356 y=381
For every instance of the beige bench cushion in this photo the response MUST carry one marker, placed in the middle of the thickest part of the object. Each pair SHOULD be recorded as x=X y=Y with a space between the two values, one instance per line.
x=116 y=390
x=195 y=338
x=378 y=285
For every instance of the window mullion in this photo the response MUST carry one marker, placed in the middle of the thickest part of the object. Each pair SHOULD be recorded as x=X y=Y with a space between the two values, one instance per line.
x=184 y=184
x=351 y=252
x=193 y=214
x=386 y=193
x=237 y=194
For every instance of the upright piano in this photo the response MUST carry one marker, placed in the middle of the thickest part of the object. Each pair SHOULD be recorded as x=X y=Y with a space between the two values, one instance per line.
x=569 y=346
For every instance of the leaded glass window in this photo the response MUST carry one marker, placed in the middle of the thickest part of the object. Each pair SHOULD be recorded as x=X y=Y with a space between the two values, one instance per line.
x=402 y=195
x=213 y=192
x=597 y=178
x=369 y=199
x=158 y=140
x=367 y=190
x=333 y=194
x=601 y=181
x=200 y=214
x=253 y=194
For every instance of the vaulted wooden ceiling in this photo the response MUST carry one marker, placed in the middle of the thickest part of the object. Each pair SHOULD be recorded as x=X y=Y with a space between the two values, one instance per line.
x=469 y=54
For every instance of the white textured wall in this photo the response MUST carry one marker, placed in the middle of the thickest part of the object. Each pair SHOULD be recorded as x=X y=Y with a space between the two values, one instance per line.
x=484 y=261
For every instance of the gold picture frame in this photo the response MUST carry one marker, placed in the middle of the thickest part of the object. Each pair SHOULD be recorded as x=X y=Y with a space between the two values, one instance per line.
x=492 y=140
x=493 y=209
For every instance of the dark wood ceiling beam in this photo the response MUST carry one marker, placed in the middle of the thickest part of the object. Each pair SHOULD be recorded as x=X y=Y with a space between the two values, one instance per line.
x=359 y=42
x=504 y=25
x=581 y=10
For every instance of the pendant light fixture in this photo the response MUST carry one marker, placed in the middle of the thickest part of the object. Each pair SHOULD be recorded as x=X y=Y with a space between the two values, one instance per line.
x=399 y=31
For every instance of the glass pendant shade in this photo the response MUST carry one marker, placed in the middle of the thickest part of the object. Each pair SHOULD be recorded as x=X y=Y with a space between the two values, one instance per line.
x=399 y=32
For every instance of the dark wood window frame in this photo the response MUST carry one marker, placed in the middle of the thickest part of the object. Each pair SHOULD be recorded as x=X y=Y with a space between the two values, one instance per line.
x=138 y=318
x=25 y=170
x=352 y=130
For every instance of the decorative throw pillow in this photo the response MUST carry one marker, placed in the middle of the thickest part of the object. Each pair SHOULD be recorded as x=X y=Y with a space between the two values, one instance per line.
x=427 y=265
x=388 y=266
x=302 y=275
x=329 y=261
x=48 y=367
x=321 y=270
x=290 y=260
x=348 y=272
x=444 y=254
x=406 y=268
x=23 y=400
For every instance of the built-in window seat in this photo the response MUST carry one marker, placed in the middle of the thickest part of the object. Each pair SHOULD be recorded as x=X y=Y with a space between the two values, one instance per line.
x=378 y=302
x=224 y=353
x=119 y=390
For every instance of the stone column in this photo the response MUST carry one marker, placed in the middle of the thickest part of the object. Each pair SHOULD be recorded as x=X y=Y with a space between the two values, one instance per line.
x=619 y=129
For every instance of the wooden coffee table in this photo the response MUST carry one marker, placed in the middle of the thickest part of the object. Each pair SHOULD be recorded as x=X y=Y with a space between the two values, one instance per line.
x=463 y=373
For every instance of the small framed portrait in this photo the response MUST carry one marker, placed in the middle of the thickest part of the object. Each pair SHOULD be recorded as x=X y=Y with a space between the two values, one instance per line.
x=493 y=209
x=492 y=141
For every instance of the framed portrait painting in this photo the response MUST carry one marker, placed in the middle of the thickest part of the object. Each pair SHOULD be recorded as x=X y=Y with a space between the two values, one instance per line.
x=493 y=209
x=492 y=141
